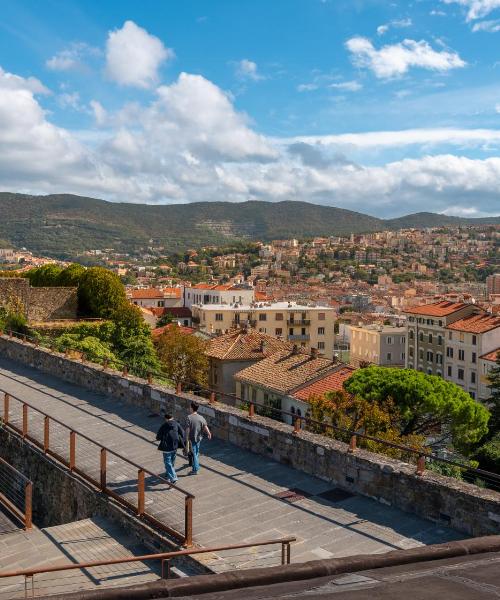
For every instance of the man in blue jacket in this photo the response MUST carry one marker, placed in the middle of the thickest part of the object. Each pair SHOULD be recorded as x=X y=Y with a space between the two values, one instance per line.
x=170 y=436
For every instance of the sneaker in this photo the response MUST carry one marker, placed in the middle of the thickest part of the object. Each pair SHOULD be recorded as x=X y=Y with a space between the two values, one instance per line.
x=193 y=473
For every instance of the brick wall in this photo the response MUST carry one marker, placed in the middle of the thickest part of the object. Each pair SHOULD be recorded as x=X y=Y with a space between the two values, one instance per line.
x=38 y=303
x=460 y=505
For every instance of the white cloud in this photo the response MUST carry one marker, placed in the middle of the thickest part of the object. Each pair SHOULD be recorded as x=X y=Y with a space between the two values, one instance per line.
x=133 y=56
x=307 y=87
x=497 y=108
x=437 y=13
x=348 y=86
x=476 y=9
x=394 y=60
x=69 y=100
x=395 y=24
x=71 y=58
x=98 y=111
x=247 y=69
x=9 y=81
x=488 y=26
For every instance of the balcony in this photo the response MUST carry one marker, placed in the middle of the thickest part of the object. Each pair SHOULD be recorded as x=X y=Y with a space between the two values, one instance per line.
x=299 y=338
x=298 y=322
x=244 y=323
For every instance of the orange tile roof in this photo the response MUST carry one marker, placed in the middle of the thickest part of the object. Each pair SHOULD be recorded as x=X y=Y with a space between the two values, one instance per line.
x=241 y=345
x=476 y=323
x=203 y=286
x=159 y=330
x=437 y=309
x=332 y=382
x=491 y=355
x=149 y=293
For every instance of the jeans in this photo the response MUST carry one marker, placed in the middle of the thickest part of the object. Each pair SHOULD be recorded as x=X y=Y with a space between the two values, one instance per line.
x=169 y=460
x=195 y=449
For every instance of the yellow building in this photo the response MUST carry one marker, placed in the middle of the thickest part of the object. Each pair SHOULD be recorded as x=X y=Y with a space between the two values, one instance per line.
x=306 y=326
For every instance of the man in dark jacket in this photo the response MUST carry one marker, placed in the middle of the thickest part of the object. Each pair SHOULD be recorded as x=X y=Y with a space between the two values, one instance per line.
x=170 y=436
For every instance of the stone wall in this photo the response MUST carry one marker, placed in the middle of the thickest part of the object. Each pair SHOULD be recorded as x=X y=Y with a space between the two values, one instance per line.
x=460 y=505
x=38 y=303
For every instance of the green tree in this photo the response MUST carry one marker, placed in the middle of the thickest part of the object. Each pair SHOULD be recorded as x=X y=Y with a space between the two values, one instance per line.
x=100 y=293
x=165 y=319
x=71 y=275
x=183 y=356
x=494 y=400
x=426 y=403
x=488 y=454
x=94 y=349
x=45 y=276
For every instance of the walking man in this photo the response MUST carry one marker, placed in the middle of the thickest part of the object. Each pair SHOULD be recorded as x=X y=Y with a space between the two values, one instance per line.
x=170 y=436
x=196 y=426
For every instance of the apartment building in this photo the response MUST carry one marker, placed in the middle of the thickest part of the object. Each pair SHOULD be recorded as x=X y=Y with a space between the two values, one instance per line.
x=467 y=340
x=205 y=293
x=426 y=329
x=156 y=297
x=487 y=362
x=381 y=345
x=304 y=325
x=493 y=284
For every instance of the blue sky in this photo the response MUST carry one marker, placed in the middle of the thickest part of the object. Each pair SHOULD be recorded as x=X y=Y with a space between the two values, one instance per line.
x=383 y=107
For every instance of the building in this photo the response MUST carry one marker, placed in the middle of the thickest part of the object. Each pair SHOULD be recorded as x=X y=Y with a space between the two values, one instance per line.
x=205 y=293
x=236 y=350
x=493 y=284
x=425 y=338
x=487 y=362
x=381 y=345
x=286 y=380
x=307 y=326
x=156 y=297
x=467 y=340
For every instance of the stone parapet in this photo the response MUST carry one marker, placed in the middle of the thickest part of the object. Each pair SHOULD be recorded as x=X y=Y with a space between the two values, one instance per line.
x=463 y=506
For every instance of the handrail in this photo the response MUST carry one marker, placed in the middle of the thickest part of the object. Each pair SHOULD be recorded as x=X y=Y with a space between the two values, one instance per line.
x=158 y=556
x=421 y=455
x=25 y=514
x=186 y=538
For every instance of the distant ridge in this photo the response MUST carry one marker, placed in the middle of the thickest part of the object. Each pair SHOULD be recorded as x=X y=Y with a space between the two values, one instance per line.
x=62 y=225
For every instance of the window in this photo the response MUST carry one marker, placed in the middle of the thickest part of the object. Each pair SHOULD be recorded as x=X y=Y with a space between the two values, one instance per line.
x=254 y=395
x=403 y=355
x=462 y=337
x=440 y=340
x=472 y=395
x=474 y=340
x=411 y=351
x=278 y=331
x=321 y=331
x=161 y=303
x=262 y=317
x=403 y=340
x=430 y=356
x=412 y=334
x=321 y=345
x=474 y=357
x=219 y=317
x=421 y=337
x=461 y=374
x=290 y=331
x=389 y=356
x=279 y=316
x=421 y=354
x=321 y=316
x=439 y=359
x=473 y=376
x=450 y=335
x=461 y=355
x=440 y=323
x=303 y=331
x=449 y=352
x=449 y=371
x=430 y=338
x=389 y=340
x=429 y=371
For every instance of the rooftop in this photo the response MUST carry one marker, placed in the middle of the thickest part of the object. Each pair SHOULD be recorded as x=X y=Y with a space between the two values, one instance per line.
x=329 y=383
x=155 y=293
x=437 y=309
x=476 y=323
x=491 y=355
x=243 y=345
x=265 y=306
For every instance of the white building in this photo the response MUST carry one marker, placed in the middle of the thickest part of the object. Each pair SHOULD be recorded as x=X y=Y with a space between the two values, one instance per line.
x=205 y=293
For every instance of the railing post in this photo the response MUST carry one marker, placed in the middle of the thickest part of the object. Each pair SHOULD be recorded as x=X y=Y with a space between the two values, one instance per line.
x=46 y=433
x=6 y=398
x=352 y=443
x=212 y=398
x=288 y=553
x=28 y=505
x=165 y=568
x=140 y=492
x=25 y=420
x=103 y=469
x=178 y=388
x=104 y=364
x=283 y=553
x=125 y=371
x=72 y=450
x=150 y=378
x=188 y=521
x=296 y=426
x=251 y=409
x=421 y=465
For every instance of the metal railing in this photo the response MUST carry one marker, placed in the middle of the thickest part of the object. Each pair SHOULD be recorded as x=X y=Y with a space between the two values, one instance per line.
x=164 y=557
x=16 y=493
x=421 y=458
x=27 y=421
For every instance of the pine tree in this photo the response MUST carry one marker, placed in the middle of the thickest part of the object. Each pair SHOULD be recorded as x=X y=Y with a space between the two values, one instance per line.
x=494 y=379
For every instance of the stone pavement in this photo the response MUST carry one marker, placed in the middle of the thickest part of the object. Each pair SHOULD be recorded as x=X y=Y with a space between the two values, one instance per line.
x=236 y=491
x=81 y=541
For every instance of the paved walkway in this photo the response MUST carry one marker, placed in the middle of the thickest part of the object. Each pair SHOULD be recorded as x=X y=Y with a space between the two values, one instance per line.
x=235 y=490
x=81 y=541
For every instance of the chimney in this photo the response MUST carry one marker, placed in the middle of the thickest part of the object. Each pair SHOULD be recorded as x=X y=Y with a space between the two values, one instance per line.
x=314 y=353
x=295 y=350
x=262 y=346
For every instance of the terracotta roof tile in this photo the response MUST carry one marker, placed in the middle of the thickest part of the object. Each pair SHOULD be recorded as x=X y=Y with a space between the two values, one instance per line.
x=476 y=323
x=437 y=309
x=332 y=382
x=159 y=330
x=240 y=345
x=285 y=371
x=155 y=293
x=491 y=355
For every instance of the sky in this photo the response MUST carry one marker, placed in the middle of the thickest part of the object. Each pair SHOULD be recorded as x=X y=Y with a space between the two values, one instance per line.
x=382 y=107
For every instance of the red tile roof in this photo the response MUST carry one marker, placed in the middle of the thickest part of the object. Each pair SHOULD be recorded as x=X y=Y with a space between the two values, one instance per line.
x=437 y=309
x=491 y=355
x=155 y=293
x=476 y=323
x=159 y=330
x=332 y=382
x=241 y=345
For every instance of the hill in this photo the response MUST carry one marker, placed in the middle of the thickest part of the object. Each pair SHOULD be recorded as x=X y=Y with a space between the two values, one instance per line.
x=63 y=225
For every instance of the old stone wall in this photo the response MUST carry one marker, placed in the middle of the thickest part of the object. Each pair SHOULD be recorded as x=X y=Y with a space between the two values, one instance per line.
x=38 y=303
x=460 y=505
